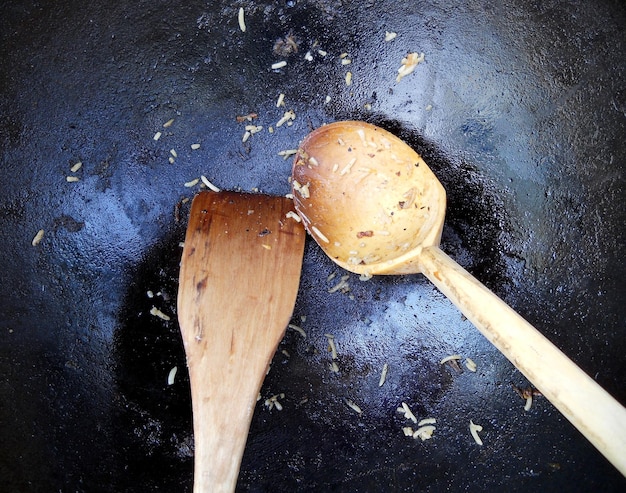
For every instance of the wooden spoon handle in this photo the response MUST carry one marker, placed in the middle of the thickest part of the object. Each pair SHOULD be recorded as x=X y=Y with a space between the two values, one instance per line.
x=591 y=409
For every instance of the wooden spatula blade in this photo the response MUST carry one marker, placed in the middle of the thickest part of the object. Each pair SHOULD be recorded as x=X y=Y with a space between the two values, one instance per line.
x=239 y=278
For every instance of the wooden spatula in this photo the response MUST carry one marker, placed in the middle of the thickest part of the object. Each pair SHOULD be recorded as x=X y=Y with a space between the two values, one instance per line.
x=239 y=279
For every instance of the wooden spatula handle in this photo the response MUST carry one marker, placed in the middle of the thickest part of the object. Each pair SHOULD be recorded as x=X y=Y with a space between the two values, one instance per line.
x=239 y=279
x=591 y=409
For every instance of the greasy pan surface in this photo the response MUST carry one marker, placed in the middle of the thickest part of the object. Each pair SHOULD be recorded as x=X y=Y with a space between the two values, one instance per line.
x=520 y=110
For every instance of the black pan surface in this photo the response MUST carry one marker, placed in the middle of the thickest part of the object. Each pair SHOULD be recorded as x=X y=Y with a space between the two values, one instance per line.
x=520 y=110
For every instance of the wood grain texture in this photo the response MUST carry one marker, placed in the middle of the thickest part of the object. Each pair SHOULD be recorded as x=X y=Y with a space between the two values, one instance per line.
x=239 y=278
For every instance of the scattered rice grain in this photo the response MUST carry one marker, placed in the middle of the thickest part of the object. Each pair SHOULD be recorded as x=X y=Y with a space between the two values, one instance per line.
x=320 y=235
x=242 y=20
x=348 y=167
x=72 y=179
x=287 y=152
x=348 y=78
x=76 y=167
x=353 y=406
x=38 y=237
x=470 y=365
x=341 y=285
x=195 y=147
x=208 y=184
x=294 y=216
x=529 y=402
x=408 y=65
x=298 y=329
x=281 y=100
x=158 y=313
x=449 y=358
x=474 y=429
x=172 y=375
x=408 y=414
x=383 y=375
x=192 y=183
x=389 y=36
x=168 y=123
x=277 y=65
x=157 y=136
x=424 y=432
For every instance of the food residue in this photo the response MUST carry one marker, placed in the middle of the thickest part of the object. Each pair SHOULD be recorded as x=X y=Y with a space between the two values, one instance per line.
x=38 y=237
x=408 y=65
x=474 y=429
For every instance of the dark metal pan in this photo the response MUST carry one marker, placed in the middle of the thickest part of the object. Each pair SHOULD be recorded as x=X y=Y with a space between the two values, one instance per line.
x=520 y=110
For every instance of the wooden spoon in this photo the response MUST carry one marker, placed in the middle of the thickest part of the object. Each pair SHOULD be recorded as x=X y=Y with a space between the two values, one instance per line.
x=239 y=279
x=375 y=207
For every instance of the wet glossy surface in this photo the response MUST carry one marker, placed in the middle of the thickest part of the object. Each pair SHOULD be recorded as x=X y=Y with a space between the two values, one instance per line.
x=519 y=109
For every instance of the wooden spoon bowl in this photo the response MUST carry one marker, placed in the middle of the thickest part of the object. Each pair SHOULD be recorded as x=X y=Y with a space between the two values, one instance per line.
x=368 y=199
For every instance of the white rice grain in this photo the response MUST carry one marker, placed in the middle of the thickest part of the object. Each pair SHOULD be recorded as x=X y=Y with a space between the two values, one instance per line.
x=424 y=432
x=389 y=36
x=192 y=183
x=281 y=100
x=474 y=429
x=408 y=414
x=158 y=313
x=529 y=402
x=172 y=375
x=168 y=123
x=353 y=406
x=195 y=147
x=298 y=329
x=278 y=65
x=76 y=167
x=348 y=167
x=38 y=237
x=157 y=136
x=320 y=235
x=208 y=184
x=72 y=179
x=287 y=116
x=242 y=20
x=383 y=375
x=449 y=358
x=348 y=78
x=287 y=152
x=294 y=216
